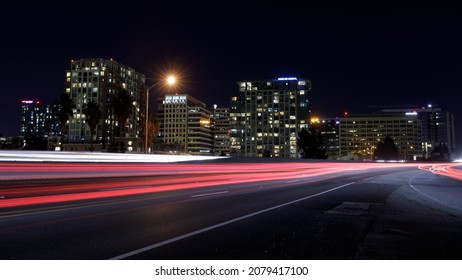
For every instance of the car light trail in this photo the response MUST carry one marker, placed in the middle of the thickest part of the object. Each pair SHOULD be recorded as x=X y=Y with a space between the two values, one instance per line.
x=135 y=178
x=444 y=169
x=48 y=156
x=191 y=176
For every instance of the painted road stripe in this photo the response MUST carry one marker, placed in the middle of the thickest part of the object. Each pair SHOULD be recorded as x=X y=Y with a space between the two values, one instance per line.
x=184 y=236
x=207 y=194
x=293 y=181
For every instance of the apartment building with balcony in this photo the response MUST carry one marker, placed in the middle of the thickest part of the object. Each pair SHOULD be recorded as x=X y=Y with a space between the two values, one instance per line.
x=101 y=81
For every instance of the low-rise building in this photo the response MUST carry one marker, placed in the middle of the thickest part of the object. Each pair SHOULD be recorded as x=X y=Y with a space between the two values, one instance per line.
x=360 y=134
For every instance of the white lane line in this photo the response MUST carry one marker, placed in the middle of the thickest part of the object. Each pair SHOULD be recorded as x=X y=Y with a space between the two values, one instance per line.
x=293 y=181
x=184 y=236
x=429 y=197
x=207 y=194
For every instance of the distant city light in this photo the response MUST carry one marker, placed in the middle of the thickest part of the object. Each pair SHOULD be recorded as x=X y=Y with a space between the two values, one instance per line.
x=411 y=113
x=429 y=105
x=287 y=79
x=27 y=102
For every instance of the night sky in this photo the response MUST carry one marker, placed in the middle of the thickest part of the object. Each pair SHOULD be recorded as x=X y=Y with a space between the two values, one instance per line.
x=355 y=55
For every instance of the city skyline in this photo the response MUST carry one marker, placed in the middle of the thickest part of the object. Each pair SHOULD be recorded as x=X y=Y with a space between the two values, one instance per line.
x=376 y=55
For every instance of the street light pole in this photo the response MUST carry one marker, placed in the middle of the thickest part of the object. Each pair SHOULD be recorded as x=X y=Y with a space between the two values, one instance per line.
x=147 y=121
x=170 y=81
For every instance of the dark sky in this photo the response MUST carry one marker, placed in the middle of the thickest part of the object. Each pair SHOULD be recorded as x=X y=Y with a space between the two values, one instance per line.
x=355 y=55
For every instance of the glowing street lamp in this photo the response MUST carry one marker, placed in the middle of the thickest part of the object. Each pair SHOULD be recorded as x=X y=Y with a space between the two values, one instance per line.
x=171 y=80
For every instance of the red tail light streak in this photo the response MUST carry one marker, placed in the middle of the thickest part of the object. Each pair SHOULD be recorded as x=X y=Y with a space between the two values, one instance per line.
x=136 y=179
x=444 y=169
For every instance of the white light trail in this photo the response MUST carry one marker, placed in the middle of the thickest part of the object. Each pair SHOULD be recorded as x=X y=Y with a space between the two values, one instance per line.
x=58 y=156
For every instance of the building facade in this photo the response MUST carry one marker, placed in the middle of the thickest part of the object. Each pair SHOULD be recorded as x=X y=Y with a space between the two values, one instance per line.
x=102 y=81
x=220 y=118
x=185 y=124
x=328 y=129
x=437 y=127
x=360 y=134
x=38 y=119
x=267 y=115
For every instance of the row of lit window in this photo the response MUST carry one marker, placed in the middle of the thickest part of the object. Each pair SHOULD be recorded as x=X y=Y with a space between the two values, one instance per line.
x=377 y=121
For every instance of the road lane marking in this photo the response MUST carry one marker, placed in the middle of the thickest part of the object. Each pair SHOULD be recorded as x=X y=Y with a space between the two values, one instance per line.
x=428 y=196
x=184 y=236
x=207 y=194
x=293 y=181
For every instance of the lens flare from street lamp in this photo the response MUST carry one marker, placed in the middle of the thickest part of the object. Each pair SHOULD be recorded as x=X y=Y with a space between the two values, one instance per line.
x=171 y=80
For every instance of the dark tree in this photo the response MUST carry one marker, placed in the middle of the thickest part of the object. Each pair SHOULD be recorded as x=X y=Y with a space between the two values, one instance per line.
x=63 y=110
x=123 y=106
x=153 y=127
x=386 y=150
x=33 y=141
x=92 y=117
x=310 y=144
x=440 y=153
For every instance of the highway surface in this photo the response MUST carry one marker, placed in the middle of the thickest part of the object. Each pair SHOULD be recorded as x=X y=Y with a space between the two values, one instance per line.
x=230 y=210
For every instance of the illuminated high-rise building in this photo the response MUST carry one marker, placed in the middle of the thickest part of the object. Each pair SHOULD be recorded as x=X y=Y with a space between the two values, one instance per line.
x=220 y=129
x=38 y=119
x=101 y=81
x=267 y=115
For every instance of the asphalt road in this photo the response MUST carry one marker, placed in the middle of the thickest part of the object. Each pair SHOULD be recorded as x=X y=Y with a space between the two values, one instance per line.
x=395 y=212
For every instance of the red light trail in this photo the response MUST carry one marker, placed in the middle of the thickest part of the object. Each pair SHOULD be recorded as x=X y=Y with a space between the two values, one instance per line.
x=444 y=169
x=163 y=177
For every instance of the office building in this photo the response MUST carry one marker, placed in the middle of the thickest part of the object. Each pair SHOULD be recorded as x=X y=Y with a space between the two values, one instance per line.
x=360 y=134
x=38 y=119
x=267 y=115
x=185 y=125
x=437 y=126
